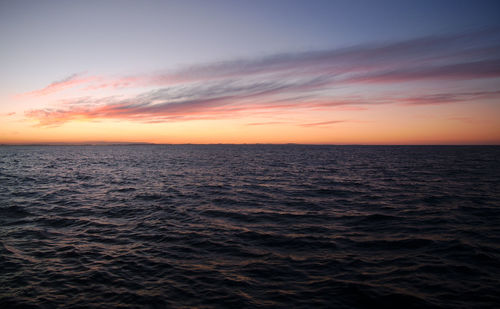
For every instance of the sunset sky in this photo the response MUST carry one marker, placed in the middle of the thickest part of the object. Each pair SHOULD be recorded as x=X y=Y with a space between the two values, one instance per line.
x=313 y=72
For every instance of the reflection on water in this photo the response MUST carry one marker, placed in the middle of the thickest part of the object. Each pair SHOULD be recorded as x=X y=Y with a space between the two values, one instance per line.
x=249 y=226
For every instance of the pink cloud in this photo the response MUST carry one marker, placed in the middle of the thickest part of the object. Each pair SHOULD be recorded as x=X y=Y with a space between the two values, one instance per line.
x=322 y=123
x=266 y=123
x=66 y=83
x=463 y=119
x=226 y=101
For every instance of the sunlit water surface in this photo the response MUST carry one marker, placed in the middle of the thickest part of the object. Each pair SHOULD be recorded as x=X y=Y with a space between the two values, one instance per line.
x=249 y=226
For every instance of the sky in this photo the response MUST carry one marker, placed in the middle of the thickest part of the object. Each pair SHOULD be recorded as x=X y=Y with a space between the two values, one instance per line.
x=310 y=72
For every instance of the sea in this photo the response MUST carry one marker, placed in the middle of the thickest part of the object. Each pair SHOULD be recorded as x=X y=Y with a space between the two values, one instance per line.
x=249 y=226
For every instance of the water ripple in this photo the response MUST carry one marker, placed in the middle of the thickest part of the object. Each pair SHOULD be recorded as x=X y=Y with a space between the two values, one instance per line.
x=249 y=226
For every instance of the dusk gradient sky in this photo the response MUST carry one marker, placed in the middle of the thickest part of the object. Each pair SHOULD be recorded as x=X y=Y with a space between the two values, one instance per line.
x=313 y=72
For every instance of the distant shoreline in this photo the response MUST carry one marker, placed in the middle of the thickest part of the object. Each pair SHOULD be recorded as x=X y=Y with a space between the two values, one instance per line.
x=254 y=144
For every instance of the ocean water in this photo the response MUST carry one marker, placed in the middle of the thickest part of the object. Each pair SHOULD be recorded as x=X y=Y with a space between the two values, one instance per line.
x=249 y=226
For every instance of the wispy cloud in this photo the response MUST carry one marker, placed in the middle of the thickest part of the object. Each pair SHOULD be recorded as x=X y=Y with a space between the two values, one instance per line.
x=291 y=81
x=212 y=102
x=465 y=55
x=8 y=114
x=443 y=98
x=457 y=71
x=177 y=103
x=322 y=123
x=462 y=119
x=65 y=83
x=267 y=123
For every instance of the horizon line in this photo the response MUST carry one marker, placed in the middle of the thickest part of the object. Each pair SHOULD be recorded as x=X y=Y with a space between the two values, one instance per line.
x=222 y=144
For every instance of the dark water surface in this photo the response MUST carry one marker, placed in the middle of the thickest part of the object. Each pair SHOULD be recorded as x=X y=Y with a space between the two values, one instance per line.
x=249 y=226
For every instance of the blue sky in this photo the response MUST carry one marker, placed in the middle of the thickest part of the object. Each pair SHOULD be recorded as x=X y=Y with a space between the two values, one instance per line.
x=95 y=43
x=54 y=38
